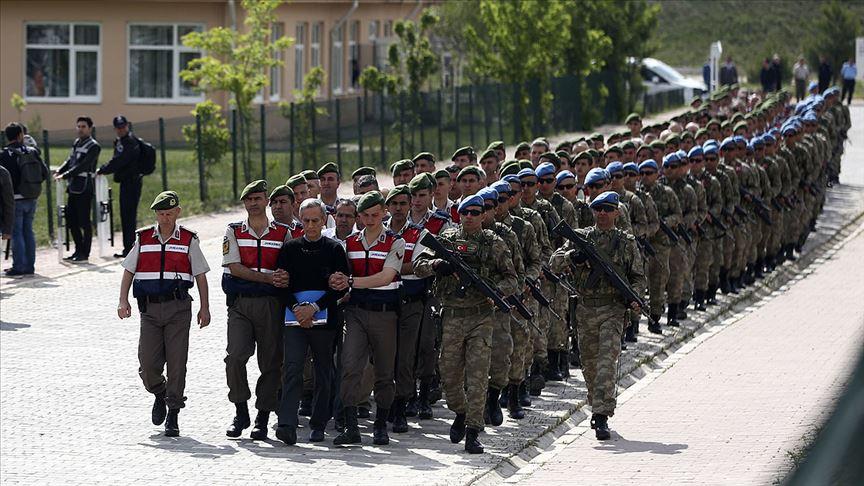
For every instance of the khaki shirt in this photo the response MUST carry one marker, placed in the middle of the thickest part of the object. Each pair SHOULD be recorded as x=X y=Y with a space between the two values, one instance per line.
x=196 y=257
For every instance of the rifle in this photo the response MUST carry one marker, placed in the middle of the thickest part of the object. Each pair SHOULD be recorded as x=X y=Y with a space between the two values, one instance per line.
x=467 y=277
x=557 y=279
x=716 y=222
x=669 y=233
x=685 y=235
x=699 y=229
x=731 y=216
x=763 y=211
x=646 y=246
x=534 y=288
x=517 y=304
x=599 y=265
x=745 y=216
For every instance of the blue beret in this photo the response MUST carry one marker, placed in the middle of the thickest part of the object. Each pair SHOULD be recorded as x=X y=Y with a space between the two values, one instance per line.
x=511 y=178
x=832 y=91
x=710 y=141
x=695 y=152
x=739 y=139
x=543 y=169
x=489 y=193
x=671 y=159
x=809 y=117
x=501 y=186
x=526 y=173
x=709 y=150
x=648 y=164
x=631 y=167
x=818 y=99
x=615 y=167
x=681 y=154
x=608 y=198
x=474 y=200
x=595 y=175
x=564 y=174
x=813 y=85
x=769 y=138
x=789 y=130
x=727 y=144
x=757 y=142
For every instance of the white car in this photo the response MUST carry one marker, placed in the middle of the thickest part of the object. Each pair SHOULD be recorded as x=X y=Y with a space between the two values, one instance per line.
x=658 y=77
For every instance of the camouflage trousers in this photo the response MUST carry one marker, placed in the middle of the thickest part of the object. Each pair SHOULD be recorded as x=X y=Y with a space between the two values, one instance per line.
x=658 y=277
x=729 y=245
x=678 y=272
x=522 y=355
x=717 y=260
x=544 y=321
x=558 y=329
x=600 y=331
x=777 y=230
x=690 y=253
x=742 y=242
x=702 y=267
x=757 y=235
x=466 y=348
x=502 y=350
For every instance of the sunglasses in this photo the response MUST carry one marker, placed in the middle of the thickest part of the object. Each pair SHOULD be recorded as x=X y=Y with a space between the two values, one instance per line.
x=618 y=176
x=566 y=187
x=604 y=209
x=546 y=180
x=710 y=159
x=633 y=174
x=503 y=199
x=528 y=184
x=472 y=212
x=648 y=172
x=490 y=207
x=594 y=186
x=696 y=160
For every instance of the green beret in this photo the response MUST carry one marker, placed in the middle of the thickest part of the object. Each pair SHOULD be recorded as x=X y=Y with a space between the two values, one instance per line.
x=496 y=145
x=424 y=156
x=282 y=190
x=563 y=146
x=328 y=168
x=363 y=171
x=701 y=132
x=523 y=146
x=550 y=156
x=510 y=167
x=686 y=134
x=593 y=153
x=295 y=181
x=254 y=186
x=488 y=153
x=562 y=153
x=712 y=121
x=673 y=138
x=471 y=169
x=368 y=200
x=725 y=123
x=657 y=144
x=645 y=146
x=399 y=166
x=628 y=145
x=525 y=164
x=441 y=174
x=595 y=136
x=469 y=151
x=583 y=155
x=165 y=200
x=310 y=175
x=400 y=190
x=737 y=116
x=740 y=125
x=422 y=181
x=613 y=148
x=632 y=117
x=540 y=141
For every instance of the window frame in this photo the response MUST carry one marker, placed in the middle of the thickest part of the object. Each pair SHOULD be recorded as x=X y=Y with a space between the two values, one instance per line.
x=177 y=48
x=73 y=49
x=338 y=61
x=300 y=50
x=315 y=47
x=353 y=51
x=274 y=89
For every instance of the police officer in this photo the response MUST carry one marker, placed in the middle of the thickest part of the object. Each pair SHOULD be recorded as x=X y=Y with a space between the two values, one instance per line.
x=160 y=268
x=250 y=279
x=78 y=171
x=124 y=166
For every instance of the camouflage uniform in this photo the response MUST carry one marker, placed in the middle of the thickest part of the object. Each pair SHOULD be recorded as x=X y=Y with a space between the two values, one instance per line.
x=558 y=329
x=706 y=272
x=692 y=250
x=502 y=340
x=679 y=270
x=545 y=320
x=668 y=210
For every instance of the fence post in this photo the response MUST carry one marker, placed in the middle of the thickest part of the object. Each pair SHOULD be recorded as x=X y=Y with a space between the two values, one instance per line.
x=48 y=183
x=401 y=125
x=517 y=120
x=500 y=111
x=263 y=143
x=487 y=119
x=440 y=123
x=234 y=153
x=381 y=123
x=162 y=153
x=314 y=150
x=422 y=117
x=360 y=111
x=456 y=116
x=202 y=184
x=291 y=140
x=338 y=134
x=471 y=140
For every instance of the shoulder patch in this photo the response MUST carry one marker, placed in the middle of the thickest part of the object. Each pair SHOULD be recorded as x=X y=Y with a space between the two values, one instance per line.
x=236 y=224
x=225 y=245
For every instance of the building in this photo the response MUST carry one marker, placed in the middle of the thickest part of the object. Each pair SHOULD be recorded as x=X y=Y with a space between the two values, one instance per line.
x=103 y=57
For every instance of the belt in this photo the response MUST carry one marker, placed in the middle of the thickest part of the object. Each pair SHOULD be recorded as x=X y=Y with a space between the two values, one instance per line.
x=159 y=299
x=600 y=301
x=375 y=306
x=410 y=298
x=467 y=311
x=252 y=296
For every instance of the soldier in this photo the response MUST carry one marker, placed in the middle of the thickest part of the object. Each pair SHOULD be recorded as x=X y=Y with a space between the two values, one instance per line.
x=679 y=271
x=468 y=317
x=402 y=172
x=424 y=162
x=329 y=179
x=250 y=279
x=79 y=170
x=489 y=163
x=463 y=157
x=282 y=208
x=602 y=307
x=160 y=268
x=707 y=268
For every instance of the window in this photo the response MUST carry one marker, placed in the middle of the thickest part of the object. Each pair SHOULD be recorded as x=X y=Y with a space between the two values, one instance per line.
x=62 y=62
x=388 y=29
x=277 y=31
x=315 y=45
x=373 y=30
x=338 y=59
x=156 y=57
x=299 y=55
x=354 y=53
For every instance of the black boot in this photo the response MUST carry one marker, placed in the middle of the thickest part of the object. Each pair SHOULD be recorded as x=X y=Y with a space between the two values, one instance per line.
x=305 y=409
x=790 y=252
x=379 y=427
x=758 y=269
x=724 y=281
x=711 y=298
x=575 y=360
x=733 y=285
x=435 y=390
x=413 y=406
x=339 y=421
x=472 y=443
x=241 y=420
x=601 y=426
x=457 y=430
x=259 y=432
x=537 y=382
x=157 y=414
x=424 y=409
x=172 y=428
x=552 y=373
x=400 y=423
x=286 y=434
x=563 y=364
x=629 y=334
x=524 y=396
x=496 y=418
x=351 y=435
x=513 y=405
x=654 y=325
x=699 y=300
x=672 y=315
x=682 y=311
x=505 y=392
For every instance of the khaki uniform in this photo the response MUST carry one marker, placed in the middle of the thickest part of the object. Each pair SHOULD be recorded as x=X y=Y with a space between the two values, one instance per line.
x=669 y=211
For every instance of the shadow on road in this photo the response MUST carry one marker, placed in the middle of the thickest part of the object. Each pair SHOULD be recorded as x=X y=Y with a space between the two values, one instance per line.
x=12 y=326
x=620 y=445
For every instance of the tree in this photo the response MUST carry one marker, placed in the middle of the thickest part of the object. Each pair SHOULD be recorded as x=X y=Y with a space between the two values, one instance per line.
x=18 y=103
x=834 y=36
x=214 y=141
x=238 y=63
x=585 y=56
x=306 y=112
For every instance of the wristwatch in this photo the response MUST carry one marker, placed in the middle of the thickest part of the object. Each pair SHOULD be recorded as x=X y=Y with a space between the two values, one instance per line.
x=350 y=281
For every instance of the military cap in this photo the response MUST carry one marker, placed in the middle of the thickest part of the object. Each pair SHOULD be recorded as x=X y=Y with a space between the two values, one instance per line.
x=562 y=146
x=673 y=138
x=327 y=168
x=526 y=164
x=400 y=190
x=496 y=145
x=740 y=125
x=582 y=155
x=725 y=123
x=608 y=198
x=648 y=164
x=614 y=149
x=544 y=169
x=631 y=167
x=739 y=140
x=310 y=175
x=596 y=175
x=511 y=167
x=468 y=150
x=789 y=130
x=511 y=178
x=368 y=200
x=364 y=171
x=502 y=187
x=423 y=156
x=657 y=145
x=523 y=146
x=165 y=200
x=527 y=172
x=627 y=144
x=615 y=167
x=671 y=160
x=632 y=117
x=469 y=201
x=282 y=190
x=253 y=187
x=713 y=121
x=540 y=141
x=809 y=117
x=452 y=168
x=562 y=153
x=550 y=156
x=366 y=180
x=441 y=174
x=488 y=153
x=564 y=174
x=686 y=134
x=488 y=193
x=119 y=121
x=769 y=139
x=813 y=85
x=709 y=150
x=422 y=181
x=594 y=153
x=727 y=144
x=695 y=152
x=399 y=166
x=682 y=155
x=701 y=132
x=295 y=181
x=471 y=169
x=645 y=147
x=595 y=136
x=832 y=91
x=646 y=129
x=756 y=142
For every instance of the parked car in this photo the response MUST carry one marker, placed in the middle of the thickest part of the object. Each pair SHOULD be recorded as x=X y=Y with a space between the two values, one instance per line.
x=657 y=77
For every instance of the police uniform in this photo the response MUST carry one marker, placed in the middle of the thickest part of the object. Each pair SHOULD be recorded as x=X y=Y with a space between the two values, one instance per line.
x=124 y=166
x=79 y=170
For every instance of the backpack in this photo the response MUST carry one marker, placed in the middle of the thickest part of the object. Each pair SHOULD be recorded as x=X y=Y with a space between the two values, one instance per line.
x=33 y=173
x=147 y=158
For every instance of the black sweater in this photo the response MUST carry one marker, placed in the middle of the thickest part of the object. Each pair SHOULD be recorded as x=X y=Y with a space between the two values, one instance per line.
x=309 y=265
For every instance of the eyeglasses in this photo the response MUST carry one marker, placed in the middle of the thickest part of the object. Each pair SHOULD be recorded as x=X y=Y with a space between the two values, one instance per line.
x=605 y=209
x=528 y=184
x=633 y=174
x=696 y=160
x=546 y=180
x=594 y=186
x=648 y=172
x=566 y=187
x=710 y=159
x=472 y=212
x=618 y=176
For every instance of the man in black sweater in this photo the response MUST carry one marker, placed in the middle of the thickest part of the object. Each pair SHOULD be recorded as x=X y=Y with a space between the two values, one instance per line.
x=309 y=261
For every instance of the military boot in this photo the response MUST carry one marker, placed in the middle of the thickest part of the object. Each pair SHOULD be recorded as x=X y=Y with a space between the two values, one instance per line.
x=472 y=443
x=537 y=382
x=654 y=325
x=601 y=426
x=424 y=409
x=413 y=406
x=351 y=435
x=711 y=299
x=758 y=273
x=157 y=414
x=379 y=427
x=724 y=281
x=400 y=423
x=241 y=420
x=629 y=334
x=172 y=428
x=457 y=430
x=496 y=418
x=699 y=300
x=552 y=373
x=524 y=396
x=564 y=364
x=672 y=315
x=513 y=405
x=259 y=432
x=681 y=312
x=505 y=392
x=575 y=359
